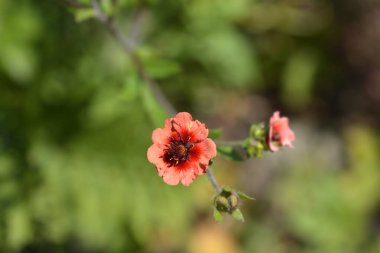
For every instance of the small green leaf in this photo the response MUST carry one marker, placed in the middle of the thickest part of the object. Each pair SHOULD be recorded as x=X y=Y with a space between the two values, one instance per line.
x=131 y=87
x=230 y=152
x=152 y=107
x=237 y=215
x=84 y=14
x=227 y=189
x=253 y=147
x=258 y=131
x=242 y=195
x=218 y=216
x=159 y=69
x=215 y=133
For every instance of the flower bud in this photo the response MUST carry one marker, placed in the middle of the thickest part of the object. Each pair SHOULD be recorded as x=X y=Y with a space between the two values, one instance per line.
x=257 y=131
x=222 y=203
x=233 y=201
x=227 y=201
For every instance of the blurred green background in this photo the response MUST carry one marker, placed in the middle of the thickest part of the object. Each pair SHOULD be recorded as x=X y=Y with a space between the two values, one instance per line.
x=75 y=123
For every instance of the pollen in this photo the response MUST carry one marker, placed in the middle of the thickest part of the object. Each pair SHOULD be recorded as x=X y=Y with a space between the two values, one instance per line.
x=181 y=150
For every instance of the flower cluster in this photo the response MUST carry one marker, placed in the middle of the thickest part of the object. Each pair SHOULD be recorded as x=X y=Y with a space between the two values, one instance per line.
x=182 y=151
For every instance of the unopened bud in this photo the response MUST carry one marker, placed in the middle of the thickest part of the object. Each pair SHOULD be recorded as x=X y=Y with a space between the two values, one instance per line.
x=258 y=131
x=222 y=203
x=227 y=201
x=233 y=201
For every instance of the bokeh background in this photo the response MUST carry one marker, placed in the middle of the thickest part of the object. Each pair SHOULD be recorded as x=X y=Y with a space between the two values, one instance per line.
x=75 y=123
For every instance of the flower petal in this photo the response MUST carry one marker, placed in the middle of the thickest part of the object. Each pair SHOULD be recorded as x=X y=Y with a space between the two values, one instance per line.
x=182 y=118
x=161 y=170
x=279 y=133
x=161 y=136
x=272 y=146
x=196 y=130
x=287 y=138
x=204 y=151
x=154 y=155
x=275 y=117
x=200 y=169
x=187 y=176
x=171 y=176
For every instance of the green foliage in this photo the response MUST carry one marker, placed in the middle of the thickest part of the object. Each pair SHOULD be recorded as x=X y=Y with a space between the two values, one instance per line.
x=299 y=75
x=215 y=133
x=230 y=152
x=237 y=215
x=20 y=27
x=84 y=14
x=76 y=121
x=244 y=196
x=218 y=216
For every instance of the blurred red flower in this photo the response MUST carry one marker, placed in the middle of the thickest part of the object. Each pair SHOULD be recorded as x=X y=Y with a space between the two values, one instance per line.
x=181 y=150
x=280 y=133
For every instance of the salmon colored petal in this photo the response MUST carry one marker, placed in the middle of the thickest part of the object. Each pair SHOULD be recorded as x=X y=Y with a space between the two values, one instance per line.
x=275 y=117
x=154 y=155
x=182 y=118
x=273 y=147
x=203 y=152
x=196 y=130
x=171 y=176
x=279 y=133
x=287 y=138
x=161 y=136
x=200 y=169
x=161 y=170
x=209 y=148
x=187 y=177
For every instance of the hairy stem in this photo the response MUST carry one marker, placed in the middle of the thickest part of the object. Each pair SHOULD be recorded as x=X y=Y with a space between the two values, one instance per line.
x=236 y=143
x=213 y=181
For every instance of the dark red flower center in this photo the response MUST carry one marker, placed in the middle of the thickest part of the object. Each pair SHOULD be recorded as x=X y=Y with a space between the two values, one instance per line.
x=177 y=151
x=276 y=136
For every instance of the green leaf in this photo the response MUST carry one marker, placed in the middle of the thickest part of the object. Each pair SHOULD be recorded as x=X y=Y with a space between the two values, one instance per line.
x=258 y=131
x=154 y=110
x=242 y=195
x=237 y=215
x=84 y=14
x=230 y=152
x=215 y=133
x=131 y=87
x=254 y=148
x=162 y=68
x=227 y=189
x=218 y=216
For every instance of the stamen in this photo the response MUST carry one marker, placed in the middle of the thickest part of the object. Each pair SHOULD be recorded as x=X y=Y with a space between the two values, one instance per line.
x=175 y=130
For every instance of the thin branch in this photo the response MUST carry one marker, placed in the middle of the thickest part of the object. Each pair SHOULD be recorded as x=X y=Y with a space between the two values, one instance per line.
x=129 y=47
x=236 y=143
x=127 y=44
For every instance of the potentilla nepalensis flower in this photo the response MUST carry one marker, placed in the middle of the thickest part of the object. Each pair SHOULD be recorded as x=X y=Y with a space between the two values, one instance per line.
x=181 y=150
x=279 y=133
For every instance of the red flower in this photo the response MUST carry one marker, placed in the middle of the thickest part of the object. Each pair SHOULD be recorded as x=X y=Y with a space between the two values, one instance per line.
x=280 y=133
x=181 y=150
